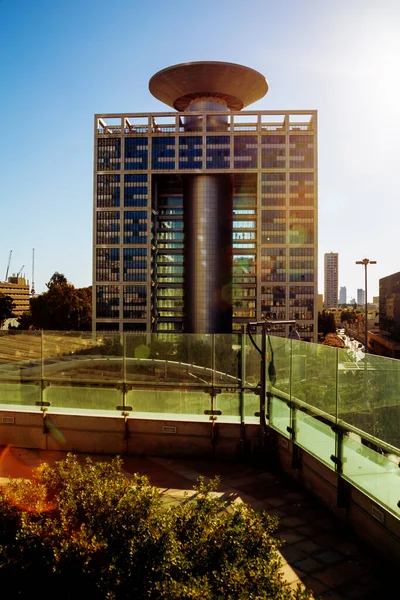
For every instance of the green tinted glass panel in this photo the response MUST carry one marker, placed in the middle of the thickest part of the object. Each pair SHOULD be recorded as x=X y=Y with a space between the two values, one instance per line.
x=252 y=360
x=20 y=355
x=316 y=437
x=19 y=394
x=373 y=473
x=279 y=417
x=82 y=356
x=251 y=406
x=229 y=404
x=169 y=359
x=183 y=403
x=314 y=376
x=353 y=407
x=227 y=351
x=87 y=400
x=278 y=363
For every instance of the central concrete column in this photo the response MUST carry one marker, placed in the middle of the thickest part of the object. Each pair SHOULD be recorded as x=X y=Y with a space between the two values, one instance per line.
x=208 y=253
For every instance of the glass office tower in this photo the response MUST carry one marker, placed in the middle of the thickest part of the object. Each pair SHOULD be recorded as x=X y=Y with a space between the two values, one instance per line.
x=205 y=218
x=331 y=279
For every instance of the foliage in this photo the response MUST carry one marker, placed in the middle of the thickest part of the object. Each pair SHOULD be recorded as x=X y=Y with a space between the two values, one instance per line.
x=62 y=308
x=6 y=307
x=331 y=339
x=55 y=280
x=349 y=316
x=326 y=323
x=85 y=531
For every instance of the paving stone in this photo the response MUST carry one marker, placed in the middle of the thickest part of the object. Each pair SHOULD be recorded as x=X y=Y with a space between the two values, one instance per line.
x=326 y=523
x=276 y=512
x=331 y=539
x=329 y=557
x=308 y=565
x=294 y=497
x=289 y=574
x=274 y=501
x=333 y=595
x=336 y=575
x=309 y=530
x=291 y=521
x=290 y=537
x=358 y=591
x=312 y=514
x=292 y=554
x=294 y=510
x=347 y=548
x=309 y=547
x=317 y=587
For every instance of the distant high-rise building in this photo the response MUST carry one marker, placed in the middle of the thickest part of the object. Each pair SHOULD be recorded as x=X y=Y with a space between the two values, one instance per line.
x=331 y=275
x=205 y=218
x=389 y=305
x=343 y=295
x=360 y=296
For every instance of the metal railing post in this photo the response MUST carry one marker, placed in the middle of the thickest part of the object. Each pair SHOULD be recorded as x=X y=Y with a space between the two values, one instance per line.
x=242 y=377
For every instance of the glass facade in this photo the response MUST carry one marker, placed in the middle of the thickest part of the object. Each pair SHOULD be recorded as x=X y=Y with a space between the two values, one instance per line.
x=301 y=151
x=108 y=154
x=135 y=190
x=108 y=227
x=135 y=227
x=108 y=191
x=271 y=165
x=107 y=301
x=218 y=151
x=136 y=153
x=273 y=152
x=190 y=152
x=135 y=302
x=135 y=264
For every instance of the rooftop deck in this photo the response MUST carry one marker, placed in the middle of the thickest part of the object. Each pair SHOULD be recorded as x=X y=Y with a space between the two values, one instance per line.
x=329 y=418
x=318 y=550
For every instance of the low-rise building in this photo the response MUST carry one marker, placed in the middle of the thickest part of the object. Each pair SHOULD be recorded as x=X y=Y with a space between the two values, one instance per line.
x=18 y=289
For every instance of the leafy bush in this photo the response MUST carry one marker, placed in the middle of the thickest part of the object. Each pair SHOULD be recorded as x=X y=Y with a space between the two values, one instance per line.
x=85 y=531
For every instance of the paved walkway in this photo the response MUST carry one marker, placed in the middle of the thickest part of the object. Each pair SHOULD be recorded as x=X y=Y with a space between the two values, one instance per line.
x=317 y=550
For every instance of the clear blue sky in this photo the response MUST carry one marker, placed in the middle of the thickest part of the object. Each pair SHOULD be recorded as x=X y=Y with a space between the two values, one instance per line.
x=61 y=62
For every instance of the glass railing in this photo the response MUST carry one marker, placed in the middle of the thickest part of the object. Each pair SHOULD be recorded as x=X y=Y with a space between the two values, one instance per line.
x=342 y=408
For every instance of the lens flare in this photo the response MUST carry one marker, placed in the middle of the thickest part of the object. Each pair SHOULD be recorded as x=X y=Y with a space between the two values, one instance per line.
x=54 y=432
x=20 y=484
x=142 y=351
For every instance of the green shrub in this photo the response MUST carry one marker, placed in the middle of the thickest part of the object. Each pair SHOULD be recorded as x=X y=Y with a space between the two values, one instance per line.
x=85 y=531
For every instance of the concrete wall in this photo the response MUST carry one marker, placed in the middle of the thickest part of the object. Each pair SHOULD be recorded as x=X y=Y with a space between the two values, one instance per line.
x=126 y=435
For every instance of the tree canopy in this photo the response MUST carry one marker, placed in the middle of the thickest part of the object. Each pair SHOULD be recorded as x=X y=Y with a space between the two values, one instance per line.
x=6 y=307
x=62 y=308
x=326 y=323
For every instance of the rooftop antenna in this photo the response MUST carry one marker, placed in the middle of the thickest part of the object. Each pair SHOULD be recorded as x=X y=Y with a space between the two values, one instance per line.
x=8 y=265
x=33 y=273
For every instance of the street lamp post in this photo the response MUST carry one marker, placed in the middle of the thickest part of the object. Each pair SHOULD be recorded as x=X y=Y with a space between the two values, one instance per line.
x=366 y=262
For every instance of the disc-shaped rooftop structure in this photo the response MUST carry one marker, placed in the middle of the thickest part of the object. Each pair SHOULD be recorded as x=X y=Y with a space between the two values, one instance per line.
x=229 y=84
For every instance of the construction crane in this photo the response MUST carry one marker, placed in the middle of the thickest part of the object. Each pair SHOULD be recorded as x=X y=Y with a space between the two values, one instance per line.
x=8 y=265
x=33 y=273
x=20 y=271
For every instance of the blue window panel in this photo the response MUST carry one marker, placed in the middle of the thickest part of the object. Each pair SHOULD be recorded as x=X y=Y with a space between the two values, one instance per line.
x=136 y=154
x=217 y=152
x=190 y=152
x=163 y=153
x=245 y=152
